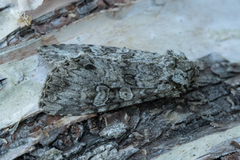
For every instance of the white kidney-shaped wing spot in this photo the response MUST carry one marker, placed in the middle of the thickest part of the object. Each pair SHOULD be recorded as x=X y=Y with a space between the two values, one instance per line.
x=102 y=95
x=125 y=94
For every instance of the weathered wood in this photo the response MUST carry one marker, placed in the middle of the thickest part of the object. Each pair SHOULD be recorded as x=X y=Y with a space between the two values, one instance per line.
x=141 y=131
x=56 y=20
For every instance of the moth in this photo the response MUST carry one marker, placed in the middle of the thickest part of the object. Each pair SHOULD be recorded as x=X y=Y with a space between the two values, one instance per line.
x=93 y=79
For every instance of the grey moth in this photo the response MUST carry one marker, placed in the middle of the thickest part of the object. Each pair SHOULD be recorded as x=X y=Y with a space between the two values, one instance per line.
x=92 y=79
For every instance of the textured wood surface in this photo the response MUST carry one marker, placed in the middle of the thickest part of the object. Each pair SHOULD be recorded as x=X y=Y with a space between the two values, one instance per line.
x=141 y=131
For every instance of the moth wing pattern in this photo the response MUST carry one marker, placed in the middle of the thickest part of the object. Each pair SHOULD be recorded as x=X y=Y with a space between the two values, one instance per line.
x=99 y=79
x=57 y=54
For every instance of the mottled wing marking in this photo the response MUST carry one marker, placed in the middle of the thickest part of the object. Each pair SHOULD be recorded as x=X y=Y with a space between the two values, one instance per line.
x=92 y=79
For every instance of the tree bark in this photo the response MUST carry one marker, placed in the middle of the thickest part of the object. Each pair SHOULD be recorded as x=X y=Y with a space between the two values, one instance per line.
x=141 y=131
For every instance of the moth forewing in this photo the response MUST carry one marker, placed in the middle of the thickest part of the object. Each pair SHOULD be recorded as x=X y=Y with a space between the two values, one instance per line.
x=99 y=78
